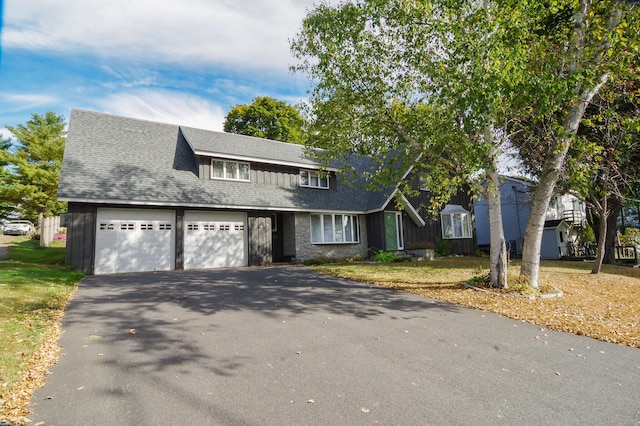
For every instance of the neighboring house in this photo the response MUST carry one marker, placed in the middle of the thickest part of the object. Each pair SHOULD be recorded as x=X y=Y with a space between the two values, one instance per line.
x=147 y=196
x=515 y=197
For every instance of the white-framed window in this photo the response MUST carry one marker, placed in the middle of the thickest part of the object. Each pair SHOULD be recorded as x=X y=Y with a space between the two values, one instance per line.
x=314 y=179
x=456 y=222
x=230 y=170
x=334 y=229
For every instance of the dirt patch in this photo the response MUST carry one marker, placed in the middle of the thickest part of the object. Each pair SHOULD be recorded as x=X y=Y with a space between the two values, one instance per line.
x=5 y=240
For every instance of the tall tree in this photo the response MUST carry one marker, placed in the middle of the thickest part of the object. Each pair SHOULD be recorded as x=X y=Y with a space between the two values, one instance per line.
x=581 y=46
x=613 y=123
x=427 y=83
x=33 y=166
x=267 y=118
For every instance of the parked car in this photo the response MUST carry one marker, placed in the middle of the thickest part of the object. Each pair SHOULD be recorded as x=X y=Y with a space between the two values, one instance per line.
x=18 y=227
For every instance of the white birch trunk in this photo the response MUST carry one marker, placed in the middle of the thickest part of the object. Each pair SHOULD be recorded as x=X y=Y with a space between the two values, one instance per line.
x=497 y=251
x=544 y=191
x=553 y=163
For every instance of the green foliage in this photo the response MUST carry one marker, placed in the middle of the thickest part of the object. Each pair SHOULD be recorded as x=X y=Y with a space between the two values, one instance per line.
x=481 y=278
x=388 y=257
x=586 y=234
x=443 y=247
x=267 y=118
x=385 y=257
x=33 y=162
x=384 y=92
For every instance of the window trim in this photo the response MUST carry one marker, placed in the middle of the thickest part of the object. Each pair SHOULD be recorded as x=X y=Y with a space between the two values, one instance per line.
x=353 y=220
x=224 y=170
x=455 y=210
x=319 y=177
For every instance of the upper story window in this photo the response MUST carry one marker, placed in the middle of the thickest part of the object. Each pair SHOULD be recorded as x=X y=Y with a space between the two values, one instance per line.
x=314 y=179
x=456 y=222
x=230 y=170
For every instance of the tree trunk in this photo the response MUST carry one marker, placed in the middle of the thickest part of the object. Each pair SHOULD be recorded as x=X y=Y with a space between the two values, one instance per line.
x=498 y=251
x=544 y=190
x=539 y=205
x=615 y=206
x=602 y=236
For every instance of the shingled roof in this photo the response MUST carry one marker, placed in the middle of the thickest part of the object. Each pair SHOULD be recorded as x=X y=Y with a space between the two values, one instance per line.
x=120 y=160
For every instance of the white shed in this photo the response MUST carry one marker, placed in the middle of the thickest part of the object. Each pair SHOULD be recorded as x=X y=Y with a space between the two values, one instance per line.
x=555 y=239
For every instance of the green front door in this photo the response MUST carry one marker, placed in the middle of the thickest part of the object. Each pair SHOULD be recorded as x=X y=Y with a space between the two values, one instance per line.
x=390 y=231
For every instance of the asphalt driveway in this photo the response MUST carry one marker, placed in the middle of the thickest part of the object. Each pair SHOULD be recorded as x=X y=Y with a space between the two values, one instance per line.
x=285 y=346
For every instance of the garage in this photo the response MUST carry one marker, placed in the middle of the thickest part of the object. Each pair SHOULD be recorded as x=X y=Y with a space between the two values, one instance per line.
x=214 y=239
x=134 y=240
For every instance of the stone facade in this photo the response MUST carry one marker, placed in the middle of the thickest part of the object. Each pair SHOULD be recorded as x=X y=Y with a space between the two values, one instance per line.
x=305 y=250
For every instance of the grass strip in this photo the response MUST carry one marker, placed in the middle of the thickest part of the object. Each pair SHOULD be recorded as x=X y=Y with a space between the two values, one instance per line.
x=34 y=291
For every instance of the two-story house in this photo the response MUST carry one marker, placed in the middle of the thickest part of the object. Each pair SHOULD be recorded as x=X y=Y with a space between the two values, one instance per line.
x=565 y=216
x=147 y=196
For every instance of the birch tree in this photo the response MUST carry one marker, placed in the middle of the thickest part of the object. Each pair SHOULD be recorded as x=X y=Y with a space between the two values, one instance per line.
x=581 y=48
x=427 y=83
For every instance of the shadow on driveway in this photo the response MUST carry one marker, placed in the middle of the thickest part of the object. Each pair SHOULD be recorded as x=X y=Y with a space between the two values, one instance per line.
x=283 y=345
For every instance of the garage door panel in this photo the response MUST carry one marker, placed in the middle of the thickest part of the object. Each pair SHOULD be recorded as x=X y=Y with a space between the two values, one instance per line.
x=215 y=240
x=134 y=240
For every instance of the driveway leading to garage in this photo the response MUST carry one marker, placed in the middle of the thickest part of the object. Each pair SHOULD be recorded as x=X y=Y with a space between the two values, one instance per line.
x=283 y=345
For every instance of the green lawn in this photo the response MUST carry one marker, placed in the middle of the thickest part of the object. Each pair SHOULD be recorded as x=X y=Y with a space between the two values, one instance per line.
x=34 y=290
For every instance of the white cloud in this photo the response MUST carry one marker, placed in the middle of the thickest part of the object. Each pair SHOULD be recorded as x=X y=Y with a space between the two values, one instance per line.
x=249 y=33
x=10 y=102
x=167 y=107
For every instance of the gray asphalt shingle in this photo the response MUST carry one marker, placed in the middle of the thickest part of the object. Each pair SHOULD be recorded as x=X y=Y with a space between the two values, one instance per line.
x=117 y=159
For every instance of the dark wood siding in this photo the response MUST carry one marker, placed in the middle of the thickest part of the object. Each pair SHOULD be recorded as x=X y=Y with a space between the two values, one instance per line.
x=417 y=237
x=81 y=231
x=375 y=232
x=179 y=255
x=265 y=174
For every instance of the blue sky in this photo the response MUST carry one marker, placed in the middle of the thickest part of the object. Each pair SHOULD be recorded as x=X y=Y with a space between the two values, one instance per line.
x=184 y=62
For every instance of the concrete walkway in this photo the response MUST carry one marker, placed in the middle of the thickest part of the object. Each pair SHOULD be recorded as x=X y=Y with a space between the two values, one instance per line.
x=284 y=346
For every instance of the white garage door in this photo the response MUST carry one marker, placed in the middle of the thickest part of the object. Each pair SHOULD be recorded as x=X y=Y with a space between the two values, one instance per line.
x=214 y=240
x=134 y=240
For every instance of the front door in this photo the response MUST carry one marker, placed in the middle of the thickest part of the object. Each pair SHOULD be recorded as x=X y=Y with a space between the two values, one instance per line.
x=260 y=241
x=393 y=236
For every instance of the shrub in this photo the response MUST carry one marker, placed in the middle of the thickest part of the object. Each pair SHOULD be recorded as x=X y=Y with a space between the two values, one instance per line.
x=385 y=256
x=443 y=247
